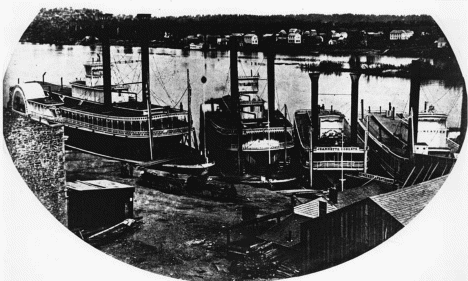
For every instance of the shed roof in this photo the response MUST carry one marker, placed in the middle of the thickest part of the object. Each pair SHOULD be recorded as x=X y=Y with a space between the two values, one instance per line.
x=311 y=208
x=404 y=204
x=353 y=195
x=97 y=185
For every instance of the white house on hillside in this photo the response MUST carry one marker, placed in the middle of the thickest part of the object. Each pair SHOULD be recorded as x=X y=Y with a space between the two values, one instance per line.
x=251 y=39
x=401 y=34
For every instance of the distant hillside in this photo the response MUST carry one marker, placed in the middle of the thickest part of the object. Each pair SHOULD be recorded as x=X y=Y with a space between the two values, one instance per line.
x=67 y=25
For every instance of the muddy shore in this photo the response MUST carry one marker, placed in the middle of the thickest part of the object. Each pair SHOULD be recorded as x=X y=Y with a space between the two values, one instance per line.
x=182 y=235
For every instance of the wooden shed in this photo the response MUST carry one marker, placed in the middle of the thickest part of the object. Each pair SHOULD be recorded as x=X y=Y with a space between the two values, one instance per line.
x=98 y=203
x=355 y=229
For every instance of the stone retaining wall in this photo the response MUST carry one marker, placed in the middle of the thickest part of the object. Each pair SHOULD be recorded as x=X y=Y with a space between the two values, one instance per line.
x=38 y=153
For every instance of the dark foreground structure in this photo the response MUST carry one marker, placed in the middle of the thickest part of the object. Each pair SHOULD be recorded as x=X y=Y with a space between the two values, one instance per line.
x=353 y=230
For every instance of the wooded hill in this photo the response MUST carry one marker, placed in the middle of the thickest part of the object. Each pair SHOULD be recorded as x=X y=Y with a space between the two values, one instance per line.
x=67 y=25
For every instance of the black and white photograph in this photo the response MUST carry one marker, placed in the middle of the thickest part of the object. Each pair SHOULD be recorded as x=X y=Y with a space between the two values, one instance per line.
x=210 y=140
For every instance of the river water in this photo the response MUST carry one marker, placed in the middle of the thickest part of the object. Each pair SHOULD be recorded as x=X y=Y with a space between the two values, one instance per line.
x=169 y=77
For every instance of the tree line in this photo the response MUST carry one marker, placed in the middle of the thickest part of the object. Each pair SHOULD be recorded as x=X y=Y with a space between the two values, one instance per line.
x=67 y=25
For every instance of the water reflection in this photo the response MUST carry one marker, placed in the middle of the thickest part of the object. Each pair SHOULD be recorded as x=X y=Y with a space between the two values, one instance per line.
x=292 y=82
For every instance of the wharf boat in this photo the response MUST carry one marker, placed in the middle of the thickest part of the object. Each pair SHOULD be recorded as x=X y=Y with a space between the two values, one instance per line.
x=244 y=133
x=108 y=119
x=325 y=144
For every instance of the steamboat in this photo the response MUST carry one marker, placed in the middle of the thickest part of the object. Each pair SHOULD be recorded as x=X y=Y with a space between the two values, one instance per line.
x=327 y=145
x=410 y=147
x=242 y=132
x=108 y=119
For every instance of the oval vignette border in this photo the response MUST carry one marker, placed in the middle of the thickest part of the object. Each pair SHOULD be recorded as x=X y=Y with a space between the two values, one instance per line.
x=49 y=252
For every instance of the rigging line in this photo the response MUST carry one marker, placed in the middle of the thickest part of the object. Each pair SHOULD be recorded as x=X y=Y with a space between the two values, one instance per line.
x=164 y=69
x=406 y=104
x=181 y=97
x=227 y=81
x=118 y=73
x=277 y=97
x=260 y=64
x=263 y=91
x=158 y=78
x=224 y=91
x=441 y=97
x=157 y=98
x=243 y=70
x=429 y=97
x=454 y=103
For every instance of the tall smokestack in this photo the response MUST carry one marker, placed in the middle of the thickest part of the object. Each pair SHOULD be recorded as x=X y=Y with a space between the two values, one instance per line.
x=314 y=107
x=106 y=60
x=271 y=83
x=414 y=95
x=354 y=105
x=144 y=62
x=234 y=76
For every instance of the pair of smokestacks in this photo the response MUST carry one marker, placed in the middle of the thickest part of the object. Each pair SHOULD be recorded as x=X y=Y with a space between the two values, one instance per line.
x=414 y=100
x=315 y=108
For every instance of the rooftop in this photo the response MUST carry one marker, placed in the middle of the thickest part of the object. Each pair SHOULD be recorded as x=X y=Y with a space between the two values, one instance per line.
x=404 y=204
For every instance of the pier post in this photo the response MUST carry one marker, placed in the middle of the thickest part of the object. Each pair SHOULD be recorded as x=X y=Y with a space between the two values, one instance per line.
x=314 y=107
x=354 y=105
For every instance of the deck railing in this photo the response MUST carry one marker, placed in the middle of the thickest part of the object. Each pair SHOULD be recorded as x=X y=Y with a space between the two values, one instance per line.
x=289 y=144
x=134 y=133
x=337 y=165
x=125 y=118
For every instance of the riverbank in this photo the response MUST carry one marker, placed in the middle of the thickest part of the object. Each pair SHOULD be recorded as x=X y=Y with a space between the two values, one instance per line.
x=182 y=236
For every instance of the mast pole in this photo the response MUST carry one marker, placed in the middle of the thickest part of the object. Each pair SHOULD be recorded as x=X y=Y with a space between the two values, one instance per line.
x=366 y=143
x=285 y=135
x=342 y=161
x=145 y=83
x=203 y=80
x=311 y=133
x=189 y=105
